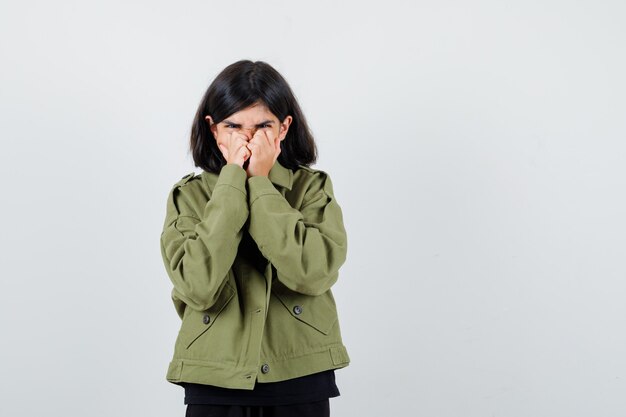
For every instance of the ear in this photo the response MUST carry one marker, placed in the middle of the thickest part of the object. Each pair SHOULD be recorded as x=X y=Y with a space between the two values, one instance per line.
x=284 y=127
x=212 y=125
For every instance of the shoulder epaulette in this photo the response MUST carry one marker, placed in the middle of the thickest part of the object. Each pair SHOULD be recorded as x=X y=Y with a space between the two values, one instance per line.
x=184 y=180
x=316 y=171
x=307 y=168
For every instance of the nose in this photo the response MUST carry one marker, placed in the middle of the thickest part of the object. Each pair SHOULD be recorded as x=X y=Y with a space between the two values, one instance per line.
x=249 y=131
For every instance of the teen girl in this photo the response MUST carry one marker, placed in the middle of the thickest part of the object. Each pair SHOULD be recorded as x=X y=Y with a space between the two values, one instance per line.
x=252 y=246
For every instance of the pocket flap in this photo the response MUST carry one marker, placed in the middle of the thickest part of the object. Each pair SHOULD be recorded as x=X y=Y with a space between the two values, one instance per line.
x=318 y=311
x=195 y=322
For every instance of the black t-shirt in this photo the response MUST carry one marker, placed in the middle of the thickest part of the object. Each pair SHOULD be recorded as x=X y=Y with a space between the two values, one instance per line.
x=308 y=388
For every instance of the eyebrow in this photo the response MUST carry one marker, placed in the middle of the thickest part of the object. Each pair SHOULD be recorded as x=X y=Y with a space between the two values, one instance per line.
x=265 y=122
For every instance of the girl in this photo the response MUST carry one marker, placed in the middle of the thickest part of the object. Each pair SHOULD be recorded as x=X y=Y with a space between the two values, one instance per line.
x=252 y=246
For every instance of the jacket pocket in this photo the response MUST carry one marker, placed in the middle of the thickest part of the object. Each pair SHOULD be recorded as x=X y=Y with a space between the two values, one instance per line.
x=317 y=311
x=196 y=323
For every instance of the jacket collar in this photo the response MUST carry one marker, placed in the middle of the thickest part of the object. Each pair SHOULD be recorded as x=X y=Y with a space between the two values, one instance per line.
x=281 y=175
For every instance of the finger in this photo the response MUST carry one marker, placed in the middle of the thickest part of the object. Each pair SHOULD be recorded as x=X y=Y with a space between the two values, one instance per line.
x=262 y=135
x=236 y=138
x=240 y=140
x=268 y=137
x=258 y=136
x=241 y=135
x=258 y=140
x=239 y=146
x=223 y=149
x=243 y=147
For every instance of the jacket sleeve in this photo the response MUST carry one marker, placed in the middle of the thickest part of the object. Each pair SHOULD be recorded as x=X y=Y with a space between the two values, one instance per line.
x=306 y=246
x=199 y=245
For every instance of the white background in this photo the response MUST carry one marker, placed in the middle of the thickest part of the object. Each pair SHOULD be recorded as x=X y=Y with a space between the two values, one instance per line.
x=476 y=148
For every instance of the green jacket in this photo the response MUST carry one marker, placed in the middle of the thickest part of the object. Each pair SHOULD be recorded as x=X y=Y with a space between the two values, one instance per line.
x=252 y=262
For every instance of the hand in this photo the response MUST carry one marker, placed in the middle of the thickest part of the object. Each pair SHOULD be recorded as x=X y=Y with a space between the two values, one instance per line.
x=265 y=150
x=235 y=150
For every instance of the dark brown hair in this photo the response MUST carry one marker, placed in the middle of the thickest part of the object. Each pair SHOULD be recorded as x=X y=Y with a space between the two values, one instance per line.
x=237 y=87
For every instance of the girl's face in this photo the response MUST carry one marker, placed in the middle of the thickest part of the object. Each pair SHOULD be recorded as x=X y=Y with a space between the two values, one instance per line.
x=247 y=122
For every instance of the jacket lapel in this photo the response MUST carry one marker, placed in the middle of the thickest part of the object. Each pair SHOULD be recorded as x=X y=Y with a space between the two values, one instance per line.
x=280 y=175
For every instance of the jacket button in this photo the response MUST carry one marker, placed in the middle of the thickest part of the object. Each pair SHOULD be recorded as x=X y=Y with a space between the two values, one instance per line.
x=265 y=368
x=297 y=309
x=206 y=319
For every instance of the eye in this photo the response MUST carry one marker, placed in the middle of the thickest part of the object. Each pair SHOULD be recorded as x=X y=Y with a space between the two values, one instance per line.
x=265 y=125
x=230 y=125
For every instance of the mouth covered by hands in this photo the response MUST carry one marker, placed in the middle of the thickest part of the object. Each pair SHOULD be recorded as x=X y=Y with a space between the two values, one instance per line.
x=264 y=148
x=256 y=155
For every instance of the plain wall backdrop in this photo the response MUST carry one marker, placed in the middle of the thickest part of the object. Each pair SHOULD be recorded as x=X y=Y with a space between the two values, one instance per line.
x=476 y=148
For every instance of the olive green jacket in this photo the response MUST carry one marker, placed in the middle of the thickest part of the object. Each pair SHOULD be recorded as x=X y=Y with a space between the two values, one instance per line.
x=252 y=262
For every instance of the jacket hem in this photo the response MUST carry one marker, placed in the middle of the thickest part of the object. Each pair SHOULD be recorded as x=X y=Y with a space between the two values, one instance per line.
x=239 y=377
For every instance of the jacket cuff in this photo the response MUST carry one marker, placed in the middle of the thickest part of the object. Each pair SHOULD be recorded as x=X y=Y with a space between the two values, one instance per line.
x=261 y=185
x=232 y=175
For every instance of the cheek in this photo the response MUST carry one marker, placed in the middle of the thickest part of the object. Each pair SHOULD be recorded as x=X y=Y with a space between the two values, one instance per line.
x=221 y=136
